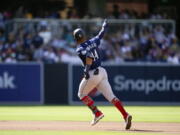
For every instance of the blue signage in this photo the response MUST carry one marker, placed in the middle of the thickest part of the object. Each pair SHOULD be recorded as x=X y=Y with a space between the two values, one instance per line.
x=136 y=83
x=21 y=83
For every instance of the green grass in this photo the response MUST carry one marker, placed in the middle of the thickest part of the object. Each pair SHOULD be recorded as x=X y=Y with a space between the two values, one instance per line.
x=81 y=113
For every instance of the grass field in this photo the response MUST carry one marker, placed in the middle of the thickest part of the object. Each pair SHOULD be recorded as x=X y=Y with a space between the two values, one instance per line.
x=81 y=113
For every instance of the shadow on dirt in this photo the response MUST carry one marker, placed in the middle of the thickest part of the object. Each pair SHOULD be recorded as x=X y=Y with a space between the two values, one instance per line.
x=144 y=130
x=137 y=130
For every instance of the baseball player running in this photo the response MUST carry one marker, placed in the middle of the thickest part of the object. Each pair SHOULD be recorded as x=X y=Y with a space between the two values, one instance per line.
x=95 y=76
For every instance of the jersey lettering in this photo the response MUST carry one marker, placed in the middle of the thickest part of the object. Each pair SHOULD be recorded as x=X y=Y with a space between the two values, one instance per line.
x=90 y=49
x=95 y=54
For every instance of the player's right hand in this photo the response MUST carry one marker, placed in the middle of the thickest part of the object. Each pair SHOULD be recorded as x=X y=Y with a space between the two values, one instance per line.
x=86 y=75
x=96 y=72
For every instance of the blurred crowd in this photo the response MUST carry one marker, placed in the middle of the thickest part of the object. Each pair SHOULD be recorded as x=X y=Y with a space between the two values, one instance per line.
x=118 y=13
x=74 y=13
x=149 y=43
x=127 y=43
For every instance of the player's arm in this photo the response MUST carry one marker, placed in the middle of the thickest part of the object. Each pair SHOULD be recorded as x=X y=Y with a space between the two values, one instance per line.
x=103 y=29
x=89 y=61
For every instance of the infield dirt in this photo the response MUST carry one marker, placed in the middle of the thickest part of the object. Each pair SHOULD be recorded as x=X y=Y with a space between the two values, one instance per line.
x=162 y=128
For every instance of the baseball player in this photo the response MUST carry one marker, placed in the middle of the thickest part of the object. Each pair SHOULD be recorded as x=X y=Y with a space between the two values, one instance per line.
x=95 y=76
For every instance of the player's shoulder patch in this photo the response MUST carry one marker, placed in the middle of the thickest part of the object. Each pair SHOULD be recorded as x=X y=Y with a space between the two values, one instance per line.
x=81 y=50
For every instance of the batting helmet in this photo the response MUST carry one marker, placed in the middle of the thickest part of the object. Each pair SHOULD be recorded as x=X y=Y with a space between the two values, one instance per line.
x=78 y=34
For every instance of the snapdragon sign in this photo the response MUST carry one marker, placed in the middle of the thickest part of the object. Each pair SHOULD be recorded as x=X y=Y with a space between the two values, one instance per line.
x=140 y=83
x=20 y=83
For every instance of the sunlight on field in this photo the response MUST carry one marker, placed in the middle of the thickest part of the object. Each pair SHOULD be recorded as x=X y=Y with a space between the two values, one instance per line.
x=82 y=113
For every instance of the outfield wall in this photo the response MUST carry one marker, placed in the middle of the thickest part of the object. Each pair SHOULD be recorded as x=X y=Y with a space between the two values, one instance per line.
x=21 y=83
x=133 y=83
x=139 y=83
x=56 y=83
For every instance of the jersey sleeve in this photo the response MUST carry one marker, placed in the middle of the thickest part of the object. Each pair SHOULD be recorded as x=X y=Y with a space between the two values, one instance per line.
x=97 y=39
x=102 y=31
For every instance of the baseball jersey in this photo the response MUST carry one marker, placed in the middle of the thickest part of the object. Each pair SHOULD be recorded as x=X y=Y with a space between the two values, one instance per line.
x=90 y=48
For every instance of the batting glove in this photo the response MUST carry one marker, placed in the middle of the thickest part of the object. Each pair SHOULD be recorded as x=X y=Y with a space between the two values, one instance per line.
x=86 y=75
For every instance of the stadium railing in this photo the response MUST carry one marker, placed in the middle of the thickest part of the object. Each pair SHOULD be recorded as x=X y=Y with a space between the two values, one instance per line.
x=59 y=27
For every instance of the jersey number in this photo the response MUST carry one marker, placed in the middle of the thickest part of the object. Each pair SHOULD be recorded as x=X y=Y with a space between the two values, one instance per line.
x=95 y=54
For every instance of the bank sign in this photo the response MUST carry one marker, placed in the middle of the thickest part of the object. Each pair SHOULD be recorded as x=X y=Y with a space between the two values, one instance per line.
x=21 y=83
x=137 y=83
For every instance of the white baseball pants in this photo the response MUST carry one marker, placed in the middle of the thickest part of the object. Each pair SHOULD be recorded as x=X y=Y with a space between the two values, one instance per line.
x=99 y=81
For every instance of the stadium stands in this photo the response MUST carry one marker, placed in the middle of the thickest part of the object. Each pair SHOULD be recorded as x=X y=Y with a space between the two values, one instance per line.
x=52 y=42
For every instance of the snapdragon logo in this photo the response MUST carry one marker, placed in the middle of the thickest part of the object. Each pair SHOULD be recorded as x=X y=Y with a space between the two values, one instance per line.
x=7 y=81
x=121 y=83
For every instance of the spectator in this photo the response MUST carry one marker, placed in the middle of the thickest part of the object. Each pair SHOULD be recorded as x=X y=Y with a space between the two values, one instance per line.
x=68 y=57
x=115 y=12
x=2 y=36
x=49 y=55
x=173 y=58
x=72 y=13
x=124 y=42
x=45 y=33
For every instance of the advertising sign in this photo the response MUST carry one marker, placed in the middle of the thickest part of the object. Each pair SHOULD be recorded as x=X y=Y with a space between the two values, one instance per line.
x=21 y=83
x=136 y=83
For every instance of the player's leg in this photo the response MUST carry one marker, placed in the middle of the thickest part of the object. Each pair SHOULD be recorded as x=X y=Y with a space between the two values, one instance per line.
x=105 y=88
x=85 y=87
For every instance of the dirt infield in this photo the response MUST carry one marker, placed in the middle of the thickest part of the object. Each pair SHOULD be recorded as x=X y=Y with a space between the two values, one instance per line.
x=165 y=128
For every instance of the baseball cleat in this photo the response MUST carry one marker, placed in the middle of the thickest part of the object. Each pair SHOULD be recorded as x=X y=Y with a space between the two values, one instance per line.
x=97 y=118
x=128 y=122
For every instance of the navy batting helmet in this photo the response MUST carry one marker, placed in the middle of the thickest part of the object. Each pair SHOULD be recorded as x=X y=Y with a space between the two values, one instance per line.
x=78 y=34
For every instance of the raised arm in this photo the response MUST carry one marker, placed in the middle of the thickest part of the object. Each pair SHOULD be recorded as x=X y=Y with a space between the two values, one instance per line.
x=103 y=29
